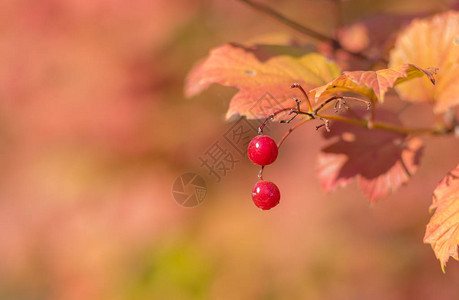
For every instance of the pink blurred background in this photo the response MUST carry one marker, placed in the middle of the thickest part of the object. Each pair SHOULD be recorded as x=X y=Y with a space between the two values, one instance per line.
x=94 y=129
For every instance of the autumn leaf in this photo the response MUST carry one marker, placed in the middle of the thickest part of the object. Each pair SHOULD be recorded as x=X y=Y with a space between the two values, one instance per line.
x=380 y=160
x=371 y=84
x=259 y=72
x=443 y=229
x=431 y=43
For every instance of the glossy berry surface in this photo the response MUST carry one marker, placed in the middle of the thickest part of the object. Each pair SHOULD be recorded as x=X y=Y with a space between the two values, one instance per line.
x=265 y=194
x=262 y=150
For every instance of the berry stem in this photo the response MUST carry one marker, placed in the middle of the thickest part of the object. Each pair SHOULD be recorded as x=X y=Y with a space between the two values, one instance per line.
x=291 y=130
x=260 y=174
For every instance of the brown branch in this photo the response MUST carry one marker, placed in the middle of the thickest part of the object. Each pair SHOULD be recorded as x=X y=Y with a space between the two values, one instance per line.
x=302 y=29
x=292 y=24
x=385 y=126
x=369 y=124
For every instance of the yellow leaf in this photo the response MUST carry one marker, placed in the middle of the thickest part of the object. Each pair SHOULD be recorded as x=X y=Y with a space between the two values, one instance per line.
x=431 y=43
x=443 y=229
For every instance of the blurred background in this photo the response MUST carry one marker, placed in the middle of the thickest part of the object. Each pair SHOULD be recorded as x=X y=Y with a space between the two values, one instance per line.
x=94 y=129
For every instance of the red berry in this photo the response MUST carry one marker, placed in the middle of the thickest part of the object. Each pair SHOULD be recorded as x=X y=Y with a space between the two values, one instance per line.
x=262 y=150
x=265 y=194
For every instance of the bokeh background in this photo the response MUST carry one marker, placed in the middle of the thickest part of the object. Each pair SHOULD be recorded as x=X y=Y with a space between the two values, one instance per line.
x=94 y=129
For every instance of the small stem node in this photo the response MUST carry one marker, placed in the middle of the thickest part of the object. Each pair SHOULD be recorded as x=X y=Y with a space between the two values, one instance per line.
x=260 y=174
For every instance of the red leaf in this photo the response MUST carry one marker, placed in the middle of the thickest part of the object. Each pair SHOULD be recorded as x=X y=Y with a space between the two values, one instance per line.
x=381 y=160
x=443 y=229
x=257 y=72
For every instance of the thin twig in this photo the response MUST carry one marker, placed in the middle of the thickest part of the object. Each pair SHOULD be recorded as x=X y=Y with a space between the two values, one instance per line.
x=316 y=111
x=291 y=130
x=262 y=126
x=341 y=101
x=298 y=86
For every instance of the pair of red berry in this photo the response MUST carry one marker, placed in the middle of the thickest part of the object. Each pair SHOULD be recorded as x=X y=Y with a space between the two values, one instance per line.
x=263 y=151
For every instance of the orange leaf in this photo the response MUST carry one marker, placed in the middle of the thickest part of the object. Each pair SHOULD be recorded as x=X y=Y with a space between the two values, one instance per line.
x=431 y=43
x=258 y=72
x=443 y=229
x=371 y=84
x=381 y=160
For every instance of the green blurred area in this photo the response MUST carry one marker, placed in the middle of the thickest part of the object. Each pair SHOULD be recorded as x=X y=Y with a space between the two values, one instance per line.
x=174 y=272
